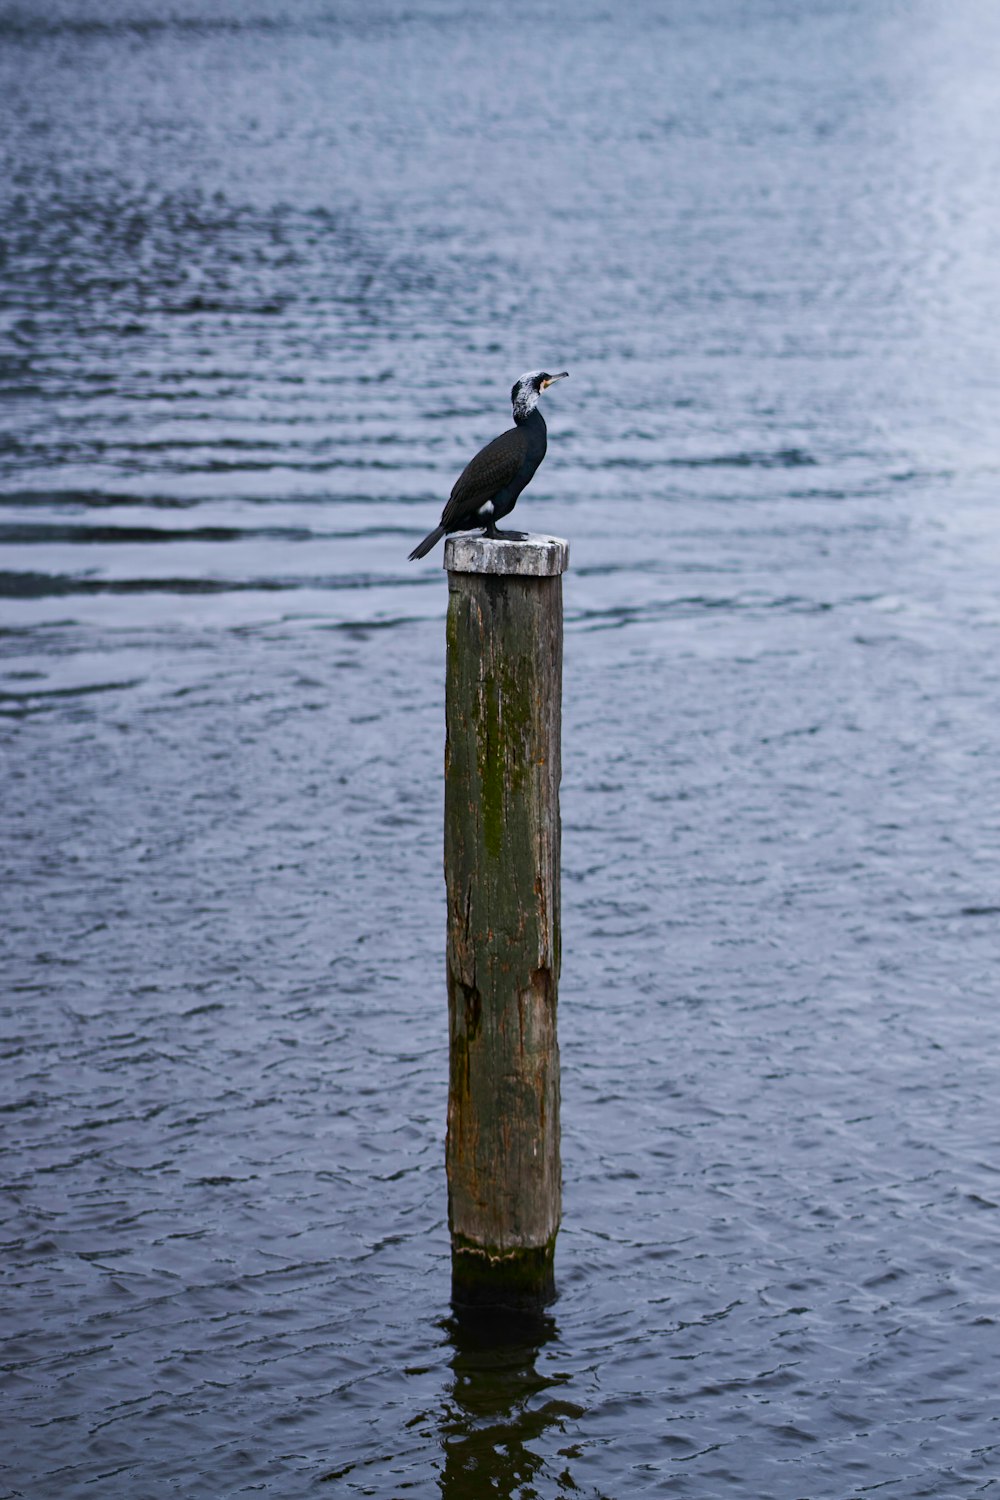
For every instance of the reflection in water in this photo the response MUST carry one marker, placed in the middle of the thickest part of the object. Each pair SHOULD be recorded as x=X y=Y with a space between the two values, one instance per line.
x=495 y=1410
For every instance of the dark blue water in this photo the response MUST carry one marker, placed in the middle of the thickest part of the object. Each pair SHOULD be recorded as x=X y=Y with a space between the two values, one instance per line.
x=267 y=272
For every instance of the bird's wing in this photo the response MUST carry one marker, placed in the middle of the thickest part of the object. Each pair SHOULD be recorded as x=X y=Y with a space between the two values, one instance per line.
x=489 y=472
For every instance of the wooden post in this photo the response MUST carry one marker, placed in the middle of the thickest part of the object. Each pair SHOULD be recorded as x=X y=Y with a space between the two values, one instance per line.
x=501 y=855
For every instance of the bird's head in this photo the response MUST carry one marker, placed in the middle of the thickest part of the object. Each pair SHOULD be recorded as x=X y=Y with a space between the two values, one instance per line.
x=526 y=391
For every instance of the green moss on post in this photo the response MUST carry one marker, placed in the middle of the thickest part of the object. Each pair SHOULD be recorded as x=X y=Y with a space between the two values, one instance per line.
x=502 y=769
x=522 y=1278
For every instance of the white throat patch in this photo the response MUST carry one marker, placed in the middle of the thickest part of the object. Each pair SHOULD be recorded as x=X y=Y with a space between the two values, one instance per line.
x=525 y=395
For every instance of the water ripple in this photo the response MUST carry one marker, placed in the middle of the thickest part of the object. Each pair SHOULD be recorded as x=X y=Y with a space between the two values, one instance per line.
x=266 y=274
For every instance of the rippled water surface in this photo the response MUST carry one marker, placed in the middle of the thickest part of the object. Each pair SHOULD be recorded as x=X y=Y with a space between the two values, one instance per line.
x=267 y=271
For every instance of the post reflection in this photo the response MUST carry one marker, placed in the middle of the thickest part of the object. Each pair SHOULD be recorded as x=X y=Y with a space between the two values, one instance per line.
x=495 y=1415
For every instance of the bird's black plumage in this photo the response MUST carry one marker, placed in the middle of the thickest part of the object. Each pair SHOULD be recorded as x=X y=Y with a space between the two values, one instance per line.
x=488 y=486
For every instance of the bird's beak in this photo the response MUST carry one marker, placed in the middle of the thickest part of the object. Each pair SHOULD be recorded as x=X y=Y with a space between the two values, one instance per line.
x=563 y=375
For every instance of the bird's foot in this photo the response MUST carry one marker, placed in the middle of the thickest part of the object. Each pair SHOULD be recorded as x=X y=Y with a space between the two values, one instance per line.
x=496 y=535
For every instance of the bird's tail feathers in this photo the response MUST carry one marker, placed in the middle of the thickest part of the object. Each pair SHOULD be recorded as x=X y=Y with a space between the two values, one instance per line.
x=429 y=541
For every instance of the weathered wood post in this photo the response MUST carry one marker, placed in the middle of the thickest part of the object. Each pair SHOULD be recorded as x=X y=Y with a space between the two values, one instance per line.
x=501 y=856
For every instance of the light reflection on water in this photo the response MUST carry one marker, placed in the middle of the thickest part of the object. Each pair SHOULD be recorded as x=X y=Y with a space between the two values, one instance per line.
x=266 y=276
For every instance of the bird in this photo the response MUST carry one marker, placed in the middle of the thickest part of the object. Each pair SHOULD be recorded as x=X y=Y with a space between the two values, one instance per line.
x=488 y=486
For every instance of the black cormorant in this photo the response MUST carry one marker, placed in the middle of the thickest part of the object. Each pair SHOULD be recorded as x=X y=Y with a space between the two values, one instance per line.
x=488 y=487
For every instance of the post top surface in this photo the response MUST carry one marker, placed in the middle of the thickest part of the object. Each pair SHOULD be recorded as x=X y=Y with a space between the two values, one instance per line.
x=535 y=557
